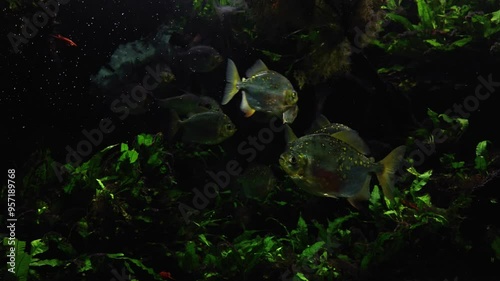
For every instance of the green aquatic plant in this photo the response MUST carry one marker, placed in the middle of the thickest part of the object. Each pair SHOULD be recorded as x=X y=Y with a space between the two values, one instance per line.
x=442 y=25
x=481 y=163
x=283 y=237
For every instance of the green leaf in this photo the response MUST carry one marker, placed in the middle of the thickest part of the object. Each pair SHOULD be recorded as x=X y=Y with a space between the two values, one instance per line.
x=480 y=161
x=462 y=42
x=310 y=251
x=433 y=43
x=400 y=19
x=457 y=165
x=393 y=68
x=301 y=225
x=421 y=179
x=433 y=116
x=300 y=276
x=491 y=30
x=38 y=247
x=375 y=197
x=101 y=184
x=269 y=243
x=203 y=239
x=188 y=259
x=334 y=226
x=210 y=260
x=23 y=260
x=83 y=228
x=154 y=160
x=123 y=147
x=426 y=15
x=87 y=265
x=481 y=148
x=50 y=262
x=133 y=156
x=145 y=139
x=495 y=17
x=426 y=199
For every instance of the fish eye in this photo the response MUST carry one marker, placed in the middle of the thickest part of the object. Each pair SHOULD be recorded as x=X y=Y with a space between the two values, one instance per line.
x=229 y=127
x=292 y=97
x=292 y=160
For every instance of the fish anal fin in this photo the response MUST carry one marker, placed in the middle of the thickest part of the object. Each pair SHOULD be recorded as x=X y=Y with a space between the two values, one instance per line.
x=362 y=196
x=352 y=138
x=245 y=107
x=257 y=67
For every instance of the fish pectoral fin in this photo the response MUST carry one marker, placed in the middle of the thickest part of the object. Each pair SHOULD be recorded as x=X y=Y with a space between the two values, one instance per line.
x=245 y=107
x=258 y=66
x=354 y=140
x=362 y=196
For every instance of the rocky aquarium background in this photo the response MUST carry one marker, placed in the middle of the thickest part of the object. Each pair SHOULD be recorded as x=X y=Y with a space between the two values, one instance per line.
x=107 y=182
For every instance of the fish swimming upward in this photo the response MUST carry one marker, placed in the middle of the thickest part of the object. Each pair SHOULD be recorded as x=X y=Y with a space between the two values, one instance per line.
x=328 y=165
x=264 y=90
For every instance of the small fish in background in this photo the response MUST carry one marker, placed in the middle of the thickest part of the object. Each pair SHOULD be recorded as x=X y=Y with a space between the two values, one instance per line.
x=189 y=104
x=166 y=275
x=66 y=40
x=200 y=59
x=232 y=8
x=330 y=166
x=264 y=90
x=211 y=127
x=323 y=126
x=257 y=181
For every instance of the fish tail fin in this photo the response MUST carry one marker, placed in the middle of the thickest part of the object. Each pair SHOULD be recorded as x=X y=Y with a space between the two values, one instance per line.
x=390 y=165
x=232 y=80
x=174 y=125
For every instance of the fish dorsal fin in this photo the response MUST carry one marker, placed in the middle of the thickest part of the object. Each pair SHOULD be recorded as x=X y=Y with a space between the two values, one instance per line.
x=289 y=134
x=257 y=67
x=245 y=107
x=320 y=122
x=354 y=140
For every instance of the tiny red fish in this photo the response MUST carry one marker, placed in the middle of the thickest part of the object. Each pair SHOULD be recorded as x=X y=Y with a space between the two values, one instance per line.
x=64 y=39
x=166 y=275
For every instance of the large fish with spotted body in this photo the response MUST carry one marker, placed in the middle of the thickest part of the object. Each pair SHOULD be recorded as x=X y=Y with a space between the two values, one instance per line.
x=332 y=165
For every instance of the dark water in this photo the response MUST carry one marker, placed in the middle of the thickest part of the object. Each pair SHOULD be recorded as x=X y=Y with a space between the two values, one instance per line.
x=50 y=101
